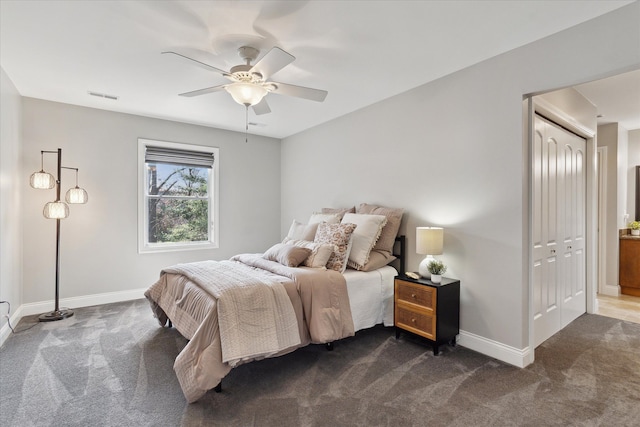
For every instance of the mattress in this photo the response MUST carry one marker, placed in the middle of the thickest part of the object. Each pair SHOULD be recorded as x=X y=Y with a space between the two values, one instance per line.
x=371 y=296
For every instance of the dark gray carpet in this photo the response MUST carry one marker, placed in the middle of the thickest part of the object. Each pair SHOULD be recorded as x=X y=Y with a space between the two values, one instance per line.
x=111 y=365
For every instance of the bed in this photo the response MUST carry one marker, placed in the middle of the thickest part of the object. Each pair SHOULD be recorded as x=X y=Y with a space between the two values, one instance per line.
x=255 y=306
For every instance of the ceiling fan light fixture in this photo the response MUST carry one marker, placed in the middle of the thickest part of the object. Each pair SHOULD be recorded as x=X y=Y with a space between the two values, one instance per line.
x=246 y=94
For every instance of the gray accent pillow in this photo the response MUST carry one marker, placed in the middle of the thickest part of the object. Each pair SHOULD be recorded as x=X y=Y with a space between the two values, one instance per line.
x=287 y=255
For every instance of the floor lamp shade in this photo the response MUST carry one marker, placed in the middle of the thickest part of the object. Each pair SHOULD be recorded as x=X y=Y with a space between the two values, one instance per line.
x=42 y=180
x=56 y=210
x=429 y=242
x=76 y=195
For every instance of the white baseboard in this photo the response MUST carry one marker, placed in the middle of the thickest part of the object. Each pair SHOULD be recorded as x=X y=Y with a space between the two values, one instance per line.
x=611 y=290
x=495 y=349
x=5 y=331
x=73 y=302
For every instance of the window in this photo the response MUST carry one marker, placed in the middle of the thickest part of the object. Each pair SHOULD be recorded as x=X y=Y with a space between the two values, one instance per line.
x=177 y=207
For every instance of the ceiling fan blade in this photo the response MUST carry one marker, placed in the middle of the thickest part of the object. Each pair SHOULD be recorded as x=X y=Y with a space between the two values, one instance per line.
x=204 y=91
x=199 y=63
x=261 y=107
x=300 y=91
x=275 y=60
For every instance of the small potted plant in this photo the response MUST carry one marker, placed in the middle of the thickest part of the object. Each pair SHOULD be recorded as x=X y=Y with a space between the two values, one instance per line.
x=437 y=269
x=635 y=228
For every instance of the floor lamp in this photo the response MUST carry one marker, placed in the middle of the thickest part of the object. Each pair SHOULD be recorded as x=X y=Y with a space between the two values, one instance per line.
x=57 y=210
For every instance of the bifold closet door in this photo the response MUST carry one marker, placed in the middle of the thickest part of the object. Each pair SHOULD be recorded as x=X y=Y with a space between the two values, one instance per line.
x=559 y=226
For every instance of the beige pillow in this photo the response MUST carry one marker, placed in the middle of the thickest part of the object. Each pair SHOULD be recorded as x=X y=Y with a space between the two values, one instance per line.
x=390 y=231
x=299 y=231
x=339 y=211
x=338 y=235
x=364 y=236
x=288 y=255
x=320 y=252
x=377 y=259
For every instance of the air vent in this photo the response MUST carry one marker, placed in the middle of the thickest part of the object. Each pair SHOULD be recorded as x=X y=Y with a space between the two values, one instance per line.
x=103 y=95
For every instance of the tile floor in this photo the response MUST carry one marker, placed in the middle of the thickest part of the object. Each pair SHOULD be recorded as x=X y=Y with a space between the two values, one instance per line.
x=622 y=307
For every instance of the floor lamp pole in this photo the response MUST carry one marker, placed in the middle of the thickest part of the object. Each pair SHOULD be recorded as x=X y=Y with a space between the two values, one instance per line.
x=57 y=314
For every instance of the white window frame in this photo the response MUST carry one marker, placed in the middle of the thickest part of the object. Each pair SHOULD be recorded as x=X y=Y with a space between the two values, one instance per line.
x=143 y=214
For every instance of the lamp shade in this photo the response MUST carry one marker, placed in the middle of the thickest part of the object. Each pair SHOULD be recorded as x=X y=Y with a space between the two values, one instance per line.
x=56 y=210
x=76 y=195
x=429 y=240
x=42 y=180
x=246 y=93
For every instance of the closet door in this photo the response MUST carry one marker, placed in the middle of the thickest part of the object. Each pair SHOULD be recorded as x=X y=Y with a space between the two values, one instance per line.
x=558 y=228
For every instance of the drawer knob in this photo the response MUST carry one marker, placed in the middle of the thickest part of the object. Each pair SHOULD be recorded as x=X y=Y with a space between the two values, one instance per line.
x=413 y=320
x=413 y=295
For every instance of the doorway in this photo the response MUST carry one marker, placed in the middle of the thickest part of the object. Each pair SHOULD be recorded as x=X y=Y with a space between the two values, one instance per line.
x=559 y=227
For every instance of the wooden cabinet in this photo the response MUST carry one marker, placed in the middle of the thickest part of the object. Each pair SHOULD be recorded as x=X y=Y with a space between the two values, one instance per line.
x=629 y=268
x=430 y=310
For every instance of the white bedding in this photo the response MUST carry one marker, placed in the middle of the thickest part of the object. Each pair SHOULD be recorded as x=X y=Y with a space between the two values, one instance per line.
x=371 y=296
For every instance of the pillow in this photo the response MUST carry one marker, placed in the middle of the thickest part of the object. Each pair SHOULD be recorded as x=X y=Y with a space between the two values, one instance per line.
x=288 y=255
x=377 y=259
x=339 y=211
x=299 y=231
x=320 y=252
x=331 y=218
x=338 y=235
x=364 y=237
x=390 y=231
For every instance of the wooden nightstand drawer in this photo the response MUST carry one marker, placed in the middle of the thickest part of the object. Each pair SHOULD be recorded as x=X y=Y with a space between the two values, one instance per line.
x=419 y=323
x=423 y=296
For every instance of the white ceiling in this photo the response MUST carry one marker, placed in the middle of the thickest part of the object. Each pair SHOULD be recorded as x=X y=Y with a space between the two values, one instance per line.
x=360 y=51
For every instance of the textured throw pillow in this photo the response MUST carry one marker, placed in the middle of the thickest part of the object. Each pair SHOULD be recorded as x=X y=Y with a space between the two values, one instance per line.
x=288 y=255
x=339 y=211
x=338 y=235
x=299 y=231
x=364 y=237
x=331 y=218
x=320 y=252
x=390 y=231
x=377 y=259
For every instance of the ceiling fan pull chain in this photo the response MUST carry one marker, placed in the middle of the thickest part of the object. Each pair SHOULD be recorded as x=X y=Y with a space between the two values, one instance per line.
x=246 y=128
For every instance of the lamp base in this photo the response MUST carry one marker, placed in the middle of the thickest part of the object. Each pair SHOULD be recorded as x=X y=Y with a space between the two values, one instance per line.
x=55 y=315
x=422 y=268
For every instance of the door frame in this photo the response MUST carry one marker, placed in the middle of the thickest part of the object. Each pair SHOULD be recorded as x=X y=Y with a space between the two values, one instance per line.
x=533 y=104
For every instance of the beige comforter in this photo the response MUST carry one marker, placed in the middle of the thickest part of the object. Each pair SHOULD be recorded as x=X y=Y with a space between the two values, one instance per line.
x=318 y=298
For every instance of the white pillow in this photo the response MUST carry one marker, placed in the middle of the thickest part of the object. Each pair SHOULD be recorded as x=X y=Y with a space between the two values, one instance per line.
x=320 y=252
x=364 y=236
x=329 y=218
x=299 y=231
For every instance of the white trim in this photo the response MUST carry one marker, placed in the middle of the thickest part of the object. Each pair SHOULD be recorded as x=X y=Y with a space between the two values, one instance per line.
x=73 y=302
x=6 y=331
x=495 y=349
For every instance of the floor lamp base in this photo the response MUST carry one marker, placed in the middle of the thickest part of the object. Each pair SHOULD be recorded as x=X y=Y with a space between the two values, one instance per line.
x=56 y=315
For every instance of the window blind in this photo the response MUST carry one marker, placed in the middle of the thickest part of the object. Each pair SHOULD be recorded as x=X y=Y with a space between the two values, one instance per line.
x=178 y=157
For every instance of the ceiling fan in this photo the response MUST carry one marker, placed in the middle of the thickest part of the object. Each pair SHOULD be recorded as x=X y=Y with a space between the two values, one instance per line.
x=249 y=83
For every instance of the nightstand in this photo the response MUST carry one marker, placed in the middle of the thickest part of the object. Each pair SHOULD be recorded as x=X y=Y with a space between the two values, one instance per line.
x=430 y=310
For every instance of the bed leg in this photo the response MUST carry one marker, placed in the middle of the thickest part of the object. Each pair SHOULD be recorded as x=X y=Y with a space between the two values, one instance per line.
x=169 y=323
x=329 y=346
x=218 y=388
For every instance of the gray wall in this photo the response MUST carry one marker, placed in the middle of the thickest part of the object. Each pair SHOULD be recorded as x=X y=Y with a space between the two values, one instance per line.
x=10 y=218
x=451 y=153
x=633 y=161
x=612 y=137
x=99 y=239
